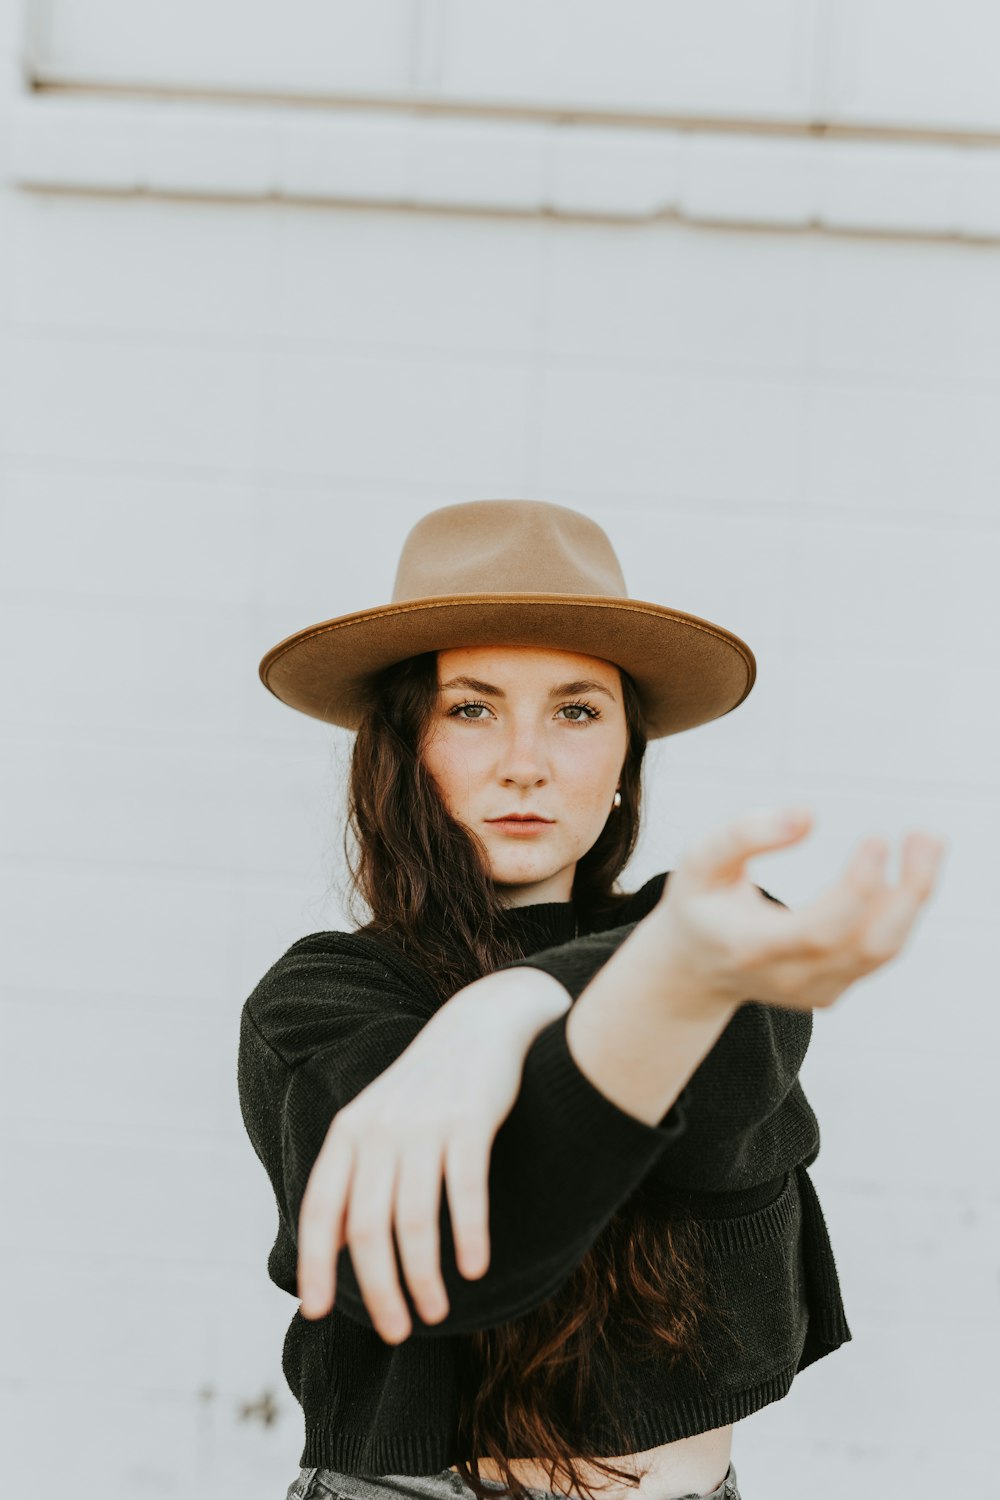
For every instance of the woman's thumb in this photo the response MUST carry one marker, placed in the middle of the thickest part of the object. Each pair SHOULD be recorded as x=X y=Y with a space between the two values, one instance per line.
x=722 y=855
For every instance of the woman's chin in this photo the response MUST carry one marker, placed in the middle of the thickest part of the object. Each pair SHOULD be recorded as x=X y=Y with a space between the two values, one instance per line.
x=519 y=872
x=525 y=872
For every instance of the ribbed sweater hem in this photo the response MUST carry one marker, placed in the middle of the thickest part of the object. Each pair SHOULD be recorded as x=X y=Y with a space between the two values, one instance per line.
x=430 y=1453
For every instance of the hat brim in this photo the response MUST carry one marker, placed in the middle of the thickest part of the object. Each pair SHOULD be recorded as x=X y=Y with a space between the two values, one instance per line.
x=688 y=670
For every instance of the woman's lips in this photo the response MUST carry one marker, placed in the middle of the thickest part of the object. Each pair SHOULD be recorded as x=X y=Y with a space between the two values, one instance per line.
x=518 y=825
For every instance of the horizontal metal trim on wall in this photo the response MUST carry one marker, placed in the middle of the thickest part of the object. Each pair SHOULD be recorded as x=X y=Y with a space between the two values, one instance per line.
x=459 y=162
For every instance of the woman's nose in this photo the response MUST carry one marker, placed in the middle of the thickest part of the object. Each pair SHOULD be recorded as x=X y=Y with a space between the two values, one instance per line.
x=523 y=756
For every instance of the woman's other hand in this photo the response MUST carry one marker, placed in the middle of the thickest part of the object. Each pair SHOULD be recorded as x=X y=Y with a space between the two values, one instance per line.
x=737 y=945
x=432 y=1113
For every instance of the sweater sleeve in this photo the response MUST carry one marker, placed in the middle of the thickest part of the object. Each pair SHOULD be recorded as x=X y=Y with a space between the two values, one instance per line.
x=323 y=1024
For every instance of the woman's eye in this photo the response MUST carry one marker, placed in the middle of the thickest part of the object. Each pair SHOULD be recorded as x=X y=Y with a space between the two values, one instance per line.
x=458 y=711
x=582 y=712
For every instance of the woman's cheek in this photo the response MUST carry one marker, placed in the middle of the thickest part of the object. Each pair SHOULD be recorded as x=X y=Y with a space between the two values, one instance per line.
x=453 y=764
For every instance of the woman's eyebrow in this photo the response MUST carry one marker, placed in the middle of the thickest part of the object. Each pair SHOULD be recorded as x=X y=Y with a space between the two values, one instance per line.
x=582 y=686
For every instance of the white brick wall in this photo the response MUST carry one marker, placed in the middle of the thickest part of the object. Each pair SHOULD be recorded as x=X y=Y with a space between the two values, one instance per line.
x=218 y=418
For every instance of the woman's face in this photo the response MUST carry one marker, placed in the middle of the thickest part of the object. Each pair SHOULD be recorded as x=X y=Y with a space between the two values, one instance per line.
x=520 y=729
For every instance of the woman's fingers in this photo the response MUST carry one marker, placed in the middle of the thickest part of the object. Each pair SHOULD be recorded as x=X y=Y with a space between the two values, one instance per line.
x=363 y=1190
x=321 y=1224
x=409 y=1200
x=722 y=854
x=369 y=1236
x=418 y=1203
x=862 y=921
x=889 y=929
x=466 y=1157
x=829 y=922
x=467 y=1164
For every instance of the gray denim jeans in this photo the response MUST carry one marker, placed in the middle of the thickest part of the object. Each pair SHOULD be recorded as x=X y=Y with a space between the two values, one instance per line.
x=330 y=1484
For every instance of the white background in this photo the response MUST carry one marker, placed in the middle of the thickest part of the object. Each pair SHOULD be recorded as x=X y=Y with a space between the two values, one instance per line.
x=274 y=282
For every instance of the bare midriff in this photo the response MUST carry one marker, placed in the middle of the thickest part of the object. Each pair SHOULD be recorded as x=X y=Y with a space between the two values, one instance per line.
x=693 y=1465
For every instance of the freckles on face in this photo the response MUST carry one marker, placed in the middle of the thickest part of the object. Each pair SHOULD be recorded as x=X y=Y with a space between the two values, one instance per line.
x=454 y=768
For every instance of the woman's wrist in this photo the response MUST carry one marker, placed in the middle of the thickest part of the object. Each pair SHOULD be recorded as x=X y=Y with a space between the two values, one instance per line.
x=517 y=1002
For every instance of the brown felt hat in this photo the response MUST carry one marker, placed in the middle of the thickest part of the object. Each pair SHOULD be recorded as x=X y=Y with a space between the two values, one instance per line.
x=515 y=573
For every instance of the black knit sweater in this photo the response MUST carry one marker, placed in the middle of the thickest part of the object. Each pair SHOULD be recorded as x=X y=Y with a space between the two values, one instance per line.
x=337 y=1008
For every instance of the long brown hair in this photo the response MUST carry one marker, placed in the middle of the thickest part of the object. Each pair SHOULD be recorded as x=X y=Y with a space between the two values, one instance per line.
x=426 y=880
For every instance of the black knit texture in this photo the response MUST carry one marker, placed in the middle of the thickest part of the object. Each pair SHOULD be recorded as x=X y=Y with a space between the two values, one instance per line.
x=337 y=1008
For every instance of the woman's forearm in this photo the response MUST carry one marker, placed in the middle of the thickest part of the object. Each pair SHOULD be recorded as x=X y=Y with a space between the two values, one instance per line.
x=638 y=1030
x=641 y=1026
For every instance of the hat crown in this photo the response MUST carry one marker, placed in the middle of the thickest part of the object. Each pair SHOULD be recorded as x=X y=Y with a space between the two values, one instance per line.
x=507 y=547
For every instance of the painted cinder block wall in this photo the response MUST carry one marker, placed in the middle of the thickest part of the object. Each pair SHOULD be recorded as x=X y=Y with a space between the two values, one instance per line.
x=243 y=346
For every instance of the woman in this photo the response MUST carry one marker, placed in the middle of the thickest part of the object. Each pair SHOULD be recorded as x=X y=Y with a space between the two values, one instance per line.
x=574 y=1111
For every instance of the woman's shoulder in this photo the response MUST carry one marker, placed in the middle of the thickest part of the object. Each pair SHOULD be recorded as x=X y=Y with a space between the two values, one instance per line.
x=349 y=967
x=370 y=944
x=357 y=943
x=332 y=989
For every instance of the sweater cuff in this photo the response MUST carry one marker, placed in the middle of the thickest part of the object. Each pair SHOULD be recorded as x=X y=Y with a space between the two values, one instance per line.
x=586 y=1112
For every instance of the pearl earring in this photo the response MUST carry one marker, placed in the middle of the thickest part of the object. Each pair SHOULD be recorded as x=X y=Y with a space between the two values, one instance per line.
x=618 y=799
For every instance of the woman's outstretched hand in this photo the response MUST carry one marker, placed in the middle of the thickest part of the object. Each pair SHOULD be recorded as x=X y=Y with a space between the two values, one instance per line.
x=737 y=945
x=432 y=1113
